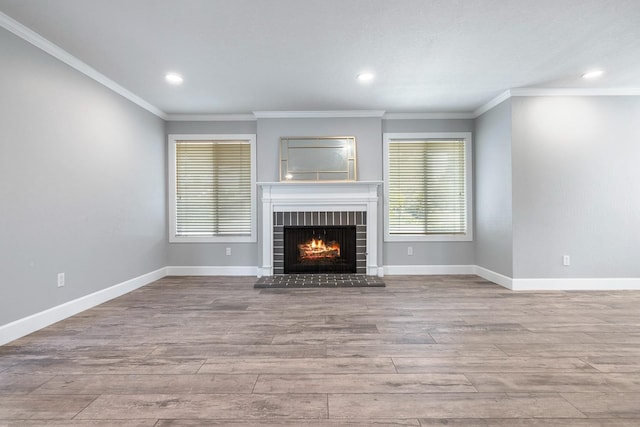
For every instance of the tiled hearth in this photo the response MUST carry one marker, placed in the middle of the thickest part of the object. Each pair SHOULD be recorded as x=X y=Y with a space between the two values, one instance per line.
x=303 y=204
x=323 y=218
x=320 y=281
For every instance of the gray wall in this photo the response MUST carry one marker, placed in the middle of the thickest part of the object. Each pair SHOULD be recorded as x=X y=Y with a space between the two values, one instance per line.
x=428 y=253
x=367 y=131
x=82 y=184
x=211 y=254
x=576 y=186
x=493 y=201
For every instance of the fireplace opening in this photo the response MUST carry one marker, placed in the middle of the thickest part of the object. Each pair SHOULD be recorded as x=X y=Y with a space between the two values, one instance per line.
x=320 y=249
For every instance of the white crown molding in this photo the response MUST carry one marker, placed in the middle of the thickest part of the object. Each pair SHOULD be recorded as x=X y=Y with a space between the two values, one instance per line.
x=492 y=103
x=554 y=92
x=211 y=117
x=427 y=116
x=317 y=114
x=575 y=91
x=57 y=52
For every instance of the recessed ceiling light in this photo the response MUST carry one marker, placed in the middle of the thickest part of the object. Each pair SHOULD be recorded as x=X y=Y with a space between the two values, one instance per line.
x=594 y=74
x=365 y=77
x=173 y=78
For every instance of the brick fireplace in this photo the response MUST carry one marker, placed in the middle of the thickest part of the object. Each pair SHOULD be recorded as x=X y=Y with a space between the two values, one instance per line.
x=319 y=207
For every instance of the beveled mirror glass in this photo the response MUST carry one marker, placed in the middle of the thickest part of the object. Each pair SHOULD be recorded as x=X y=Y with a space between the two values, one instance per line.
x=325 y=158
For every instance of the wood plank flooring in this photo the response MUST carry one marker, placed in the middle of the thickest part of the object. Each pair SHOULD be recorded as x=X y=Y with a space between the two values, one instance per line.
x=424 y=351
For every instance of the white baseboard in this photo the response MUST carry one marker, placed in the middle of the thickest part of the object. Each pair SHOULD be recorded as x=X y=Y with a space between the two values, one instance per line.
x=560 y=284
x=212 y=270
x=586 y=284
x=494 y=277
x=25 y=326
x=19 y=328
x=428 y=270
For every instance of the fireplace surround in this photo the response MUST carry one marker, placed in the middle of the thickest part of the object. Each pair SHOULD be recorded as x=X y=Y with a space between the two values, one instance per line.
x=340 y=204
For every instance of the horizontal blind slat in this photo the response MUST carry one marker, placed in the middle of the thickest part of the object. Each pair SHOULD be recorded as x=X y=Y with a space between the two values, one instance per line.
x=213 y=188
x=427 y=187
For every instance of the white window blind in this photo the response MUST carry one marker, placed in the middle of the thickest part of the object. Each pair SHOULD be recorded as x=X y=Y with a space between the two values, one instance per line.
x=213 y=184
x=427 y=187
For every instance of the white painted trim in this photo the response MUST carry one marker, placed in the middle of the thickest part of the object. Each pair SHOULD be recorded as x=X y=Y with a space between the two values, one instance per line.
x=19 y=328
x=171 y=168
x=211 y=117
x=575 y=91
x=492 y=103
x=326 y=196
x=387 y=139
x=560 y=284
x=494 y=277
x=428 y=270
x=574 y=284
x=245 y=270
x=57 y=52
x=553 y=92
x=427 y=116
x=317 y=114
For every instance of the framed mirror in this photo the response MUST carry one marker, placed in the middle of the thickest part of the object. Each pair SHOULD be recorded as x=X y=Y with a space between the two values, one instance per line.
x=324 y=158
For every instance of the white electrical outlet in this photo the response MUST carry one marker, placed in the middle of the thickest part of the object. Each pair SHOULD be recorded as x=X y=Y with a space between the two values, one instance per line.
x=409 y=250
x=566 y=260
x=60 y=280
x=228 y=251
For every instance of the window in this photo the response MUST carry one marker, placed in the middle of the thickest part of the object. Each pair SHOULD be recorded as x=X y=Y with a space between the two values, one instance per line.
x=212 y=188
x=427 y=186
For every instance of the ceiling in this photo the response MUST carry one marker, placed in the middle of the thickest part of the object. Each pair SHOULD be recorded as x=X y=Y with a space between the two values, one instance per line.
x=239 y=56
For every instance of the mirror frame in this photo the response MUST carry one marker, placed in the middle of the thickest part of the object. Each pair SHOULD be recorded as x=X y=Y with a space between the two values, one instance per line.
x=322 y=172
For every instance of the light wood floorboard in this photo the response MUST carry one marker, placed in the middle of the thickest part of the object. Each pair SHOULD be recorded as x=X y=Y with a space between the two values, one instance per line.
x=424 y=351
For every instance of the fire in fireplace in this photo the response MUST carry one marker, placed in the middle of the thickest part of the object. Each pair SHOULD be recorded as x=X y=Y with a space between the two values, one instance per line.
x=316 y=249
x=330 y=249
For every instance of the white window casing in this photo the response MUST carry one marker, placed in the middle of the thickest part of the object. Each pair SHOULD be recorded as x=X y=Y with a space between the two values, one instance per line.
x=428 y=186
x=212 y=188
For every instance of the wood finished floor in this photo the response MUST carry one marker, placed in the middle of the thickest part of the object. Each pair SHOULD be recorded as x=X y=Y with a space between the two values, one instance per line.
x=424 y=351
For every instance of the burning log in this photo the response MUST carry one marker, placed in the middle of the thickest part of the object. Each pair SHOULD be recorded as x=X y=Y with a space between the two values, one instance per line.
x=317 y=249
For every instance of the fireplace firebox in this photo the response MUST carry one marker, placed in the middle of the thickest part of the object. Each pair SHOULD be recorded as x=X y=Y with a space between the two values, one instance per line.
x=320 y=249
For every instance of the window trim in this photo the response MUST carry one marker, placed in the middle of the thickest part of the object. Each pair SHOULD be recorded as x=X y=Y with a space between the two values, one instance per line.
x=388 y=138
x=172 y=141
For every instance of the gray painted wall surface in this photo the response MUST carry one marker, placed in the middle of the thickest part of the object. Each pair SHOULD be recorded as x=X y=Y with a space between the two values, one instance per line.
x=493 y=201
x=428 y=125
x=211 y=254
x=210 y=127
x=428 y=253
x=82 y=184
x=576 y=186
x=368 y=133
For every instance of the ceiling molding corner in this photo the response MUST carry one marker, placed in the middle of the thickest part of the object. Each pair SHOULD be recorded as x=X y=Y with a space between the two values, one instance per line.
x=211 y=117
x=57 y=52
x=492 y=103
x=317 y=114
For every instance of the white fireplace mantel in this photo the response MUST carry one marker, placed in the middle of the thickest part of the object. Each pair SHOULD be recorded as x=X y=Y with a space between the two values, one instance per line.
x=357 y=196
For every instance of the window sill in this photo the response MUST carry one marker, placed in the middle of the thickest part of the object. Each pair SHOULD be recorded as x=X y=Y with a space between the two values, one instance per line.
x=207 y=239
